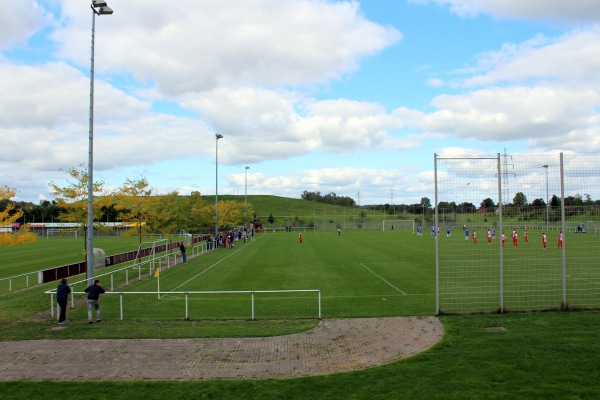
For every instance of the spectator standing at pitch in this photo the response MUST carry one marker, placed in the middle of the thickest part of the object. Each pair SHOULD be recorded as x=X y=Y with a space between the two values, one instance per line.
x=62 y=296
x=183 y=254
x=94 y=291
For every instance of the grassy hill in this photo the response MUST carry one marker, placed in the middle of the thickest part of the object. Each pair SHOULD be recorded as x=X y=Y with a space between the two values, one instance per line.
x=264 y=205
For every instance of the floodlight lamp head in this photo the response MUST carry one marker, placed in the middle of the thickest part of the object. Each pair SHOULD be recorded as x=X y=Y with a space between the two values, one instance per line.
x=219 y=136
x=105 y=10
x=98 y=3
x=545 y=166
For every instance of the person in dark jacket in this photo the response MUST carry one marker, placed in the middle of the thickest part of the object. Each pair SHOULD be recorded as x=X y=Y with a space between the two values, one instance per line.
x=183 y=255
x=62 y=297
x=94 y=291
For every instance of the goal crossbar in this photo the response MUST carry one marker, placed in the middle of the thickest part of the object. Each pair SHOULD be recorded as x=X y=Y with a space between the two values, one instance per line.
x=398 y=225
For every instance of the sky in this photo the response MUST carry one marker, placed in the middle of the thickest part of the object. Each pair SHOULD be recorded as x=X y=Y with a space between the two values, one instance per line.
x=351 y=97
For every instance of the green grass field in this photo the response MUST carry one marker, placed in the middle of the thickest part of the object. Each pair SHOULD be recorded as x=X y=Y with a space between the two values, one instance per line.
x=550 y=355
x=57 y=251
x=357 y=276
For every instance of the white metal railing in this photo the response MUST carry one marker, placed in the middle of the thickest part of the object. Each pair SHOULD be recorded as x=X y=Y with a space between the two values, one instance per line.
x=188 y=293
x=197 y=249
x=11 y=278
x=149 y=262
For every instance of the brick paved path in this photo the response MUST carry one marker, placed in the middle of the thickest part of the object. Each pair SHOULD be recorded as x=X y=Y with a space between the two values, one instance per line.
x=335 y=345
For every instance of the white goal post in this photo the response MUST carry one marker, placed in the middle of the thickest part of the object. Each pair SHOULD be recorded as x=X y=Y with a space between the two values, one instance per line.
x=61 y=232
x=398 y=225
x=185 y=236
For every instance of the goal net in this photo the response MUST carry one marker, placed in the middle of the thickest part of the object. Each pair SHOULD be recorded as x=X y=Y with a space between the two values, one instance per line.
x=398 y=225
x=56 y=232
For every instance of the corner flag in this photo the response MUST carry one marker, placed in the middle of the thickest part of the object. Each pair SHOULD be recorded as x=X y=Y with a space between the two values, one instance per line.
x=157 y=273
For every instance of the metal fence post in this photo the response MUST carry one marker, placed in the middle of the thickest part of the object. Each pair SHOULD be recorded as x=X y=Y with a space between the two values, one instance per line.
x=319 y=303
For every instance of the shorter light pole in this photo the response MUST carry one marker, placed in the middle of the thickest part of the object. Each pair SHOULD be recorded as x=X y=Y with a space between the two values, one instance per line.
x=246 y=195
x=547 y=204
x=217 y=137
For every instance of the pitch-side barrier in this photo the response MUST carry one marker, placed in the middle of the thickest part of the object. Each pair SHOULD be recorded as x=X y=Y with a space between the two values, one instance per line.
x=252 y=293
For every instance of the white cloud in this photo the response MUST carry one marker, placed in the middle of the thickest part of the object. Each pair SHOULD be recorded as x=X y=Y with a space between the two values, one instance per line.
x=347 y=181
x=193 y=46
x=573 y=58
x=571 y=11
x=268 y=125
x=504 y=114
x=544 y=92
x=19 y=20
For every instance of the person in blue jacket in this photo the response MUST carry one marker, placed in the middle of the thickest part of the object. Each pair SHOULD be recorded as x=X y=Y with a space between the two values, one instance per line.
x=62 y=297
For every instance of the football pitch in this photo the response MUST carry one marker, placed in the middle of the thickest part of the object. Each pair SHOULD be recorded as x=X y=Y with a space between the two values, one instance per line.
x=358 y=274
x=533 y=355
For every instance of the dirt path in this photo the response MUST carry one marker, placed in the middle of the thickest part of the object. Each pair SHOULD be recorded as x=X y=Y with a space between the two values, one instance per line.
x=335 y=345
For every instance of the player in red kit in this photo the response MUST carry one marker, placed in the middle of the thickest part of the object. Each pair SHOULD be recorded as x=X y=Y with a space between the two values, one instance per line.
x=544 y=240
x=474 y=237
x=503 y=239
x=515 y=238
x=526 y=236
x=560 y=240
x=489 y=236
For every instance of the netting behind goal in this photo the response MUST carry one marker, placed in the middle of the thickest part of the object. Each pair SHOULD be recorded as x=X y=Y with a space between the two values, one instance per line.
x=398 y=225
x=522 y=198
x=65 y=232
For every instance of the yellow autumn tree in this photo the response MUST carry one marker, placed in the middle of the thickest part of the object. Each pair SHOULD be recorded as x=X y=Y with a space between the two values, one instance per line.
x=8 y=217
x=231 y=213
x=73 y=198
x=134 y=201
x=166 y=215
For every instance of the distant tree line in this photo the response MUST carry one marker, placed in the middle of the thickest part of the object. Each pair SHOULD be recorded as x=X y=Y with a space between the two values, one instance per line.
x=330 y=198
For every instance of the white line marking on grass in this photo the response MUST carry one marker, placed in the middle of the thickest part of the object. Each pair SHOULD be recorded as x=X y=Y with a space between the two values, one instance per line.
x=378 y=295
x=582 y=279
x=207 y=269
x=383 y=279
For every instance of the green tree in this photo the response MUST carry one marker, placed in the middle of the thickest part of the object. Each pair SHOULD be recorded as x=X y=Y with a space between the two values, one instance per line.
x=425 y=202
x=520 y=200
x=134 y=202
x=538 y=203
x=488 y=203
x=271 y=219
